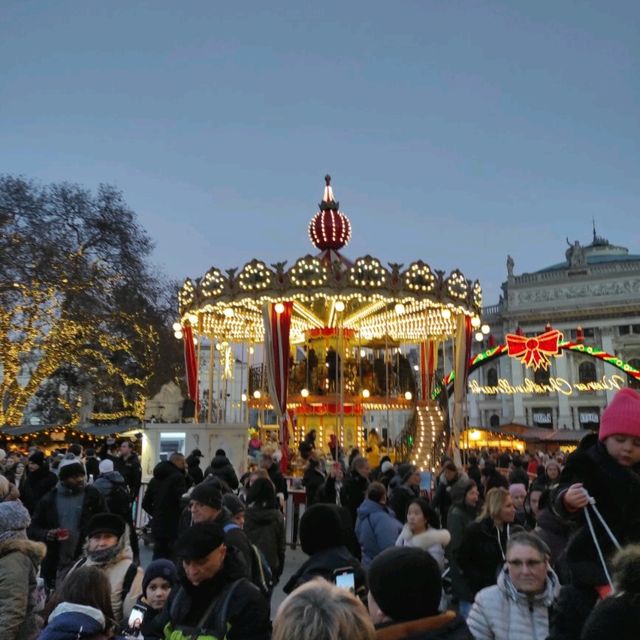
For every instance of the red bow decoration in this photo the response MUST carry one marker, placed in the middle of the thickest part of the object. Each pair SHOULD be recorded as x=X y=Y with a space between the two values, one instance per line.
x=534 y=352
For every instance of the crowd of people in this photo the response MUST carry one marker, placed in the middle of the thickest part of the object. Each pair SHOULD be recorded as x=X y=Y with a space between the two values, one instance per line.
x=514 y=546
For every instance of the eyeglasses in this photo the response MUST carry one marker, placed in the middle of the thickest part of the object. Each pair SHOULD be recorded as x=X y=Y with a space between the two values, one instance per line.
x=530 y=564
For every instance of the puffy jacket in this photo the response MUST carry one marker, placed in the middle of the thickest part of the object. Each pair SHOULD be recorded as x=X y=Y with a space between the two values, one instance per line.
x=433 y=541
x=501 y=612
x=115 y=491
x=377 y=528
x=265 y=529
x=70 y=621
x=460 y=516
x=116 y=569
x=19 y=562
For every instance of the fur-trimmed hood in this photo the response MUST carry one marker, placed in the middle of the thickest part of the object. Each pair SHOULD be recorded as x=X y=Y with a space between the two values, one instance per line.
x=35 y=550
x=122 y=551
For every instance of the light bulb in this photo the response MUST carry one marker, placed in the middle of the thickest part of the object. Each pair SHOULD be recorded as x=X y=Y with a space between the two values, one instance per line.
x=228 y=312
x=257 y=394
x=479 y=336
x=243 y=397
x=399 y=308
x=178 y=335
x=363 y=353
x=446 y=313
x=408 y=395
x=366 y=393
x=485 y=329
x=279 y=307
x=475 y=322
x=304 y=393
x=339 y=306
x=176 y=326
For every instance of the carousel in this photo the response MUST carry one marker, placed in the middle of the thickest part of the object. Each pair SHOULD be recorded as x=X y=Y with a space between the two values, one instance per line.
x=333 y=342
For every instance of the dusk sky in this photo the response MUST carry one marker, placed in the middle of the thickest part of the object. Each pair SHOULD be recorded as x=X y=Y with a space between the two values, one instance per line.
x=456 y=131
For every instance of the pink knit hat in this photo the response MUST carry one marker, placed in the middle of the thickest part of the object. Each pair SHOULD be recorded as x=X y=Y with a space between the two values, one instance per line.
x=622 y=416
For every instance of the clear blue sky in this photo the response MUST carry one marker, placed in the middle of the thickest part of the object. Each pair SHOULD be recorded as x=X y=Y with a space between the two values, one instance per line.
x=456 y=131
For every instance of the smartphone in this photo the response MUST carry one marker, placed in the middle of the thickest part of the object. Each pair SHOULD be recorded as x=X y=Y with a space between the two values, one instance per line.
x=136 y=616
x=345 y=578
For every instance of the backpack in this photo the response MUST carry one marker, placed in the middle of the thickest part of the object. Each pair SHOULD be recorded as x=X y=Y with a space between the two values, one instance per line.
x=261 y=574
x=119 y=500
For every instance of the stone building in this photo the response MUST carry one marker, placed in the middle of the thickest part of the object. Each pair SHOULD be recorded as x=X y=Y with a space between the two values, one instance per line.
x=594 y=292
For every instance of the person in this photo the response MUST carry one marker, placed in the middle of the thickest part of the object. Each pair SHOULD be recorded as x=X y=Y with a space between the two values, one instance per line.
x=377 y=527
x=267 y=463
x=222 y=468
x=205 y=505
x=312 y=479
x=128 y=464
x=449 y=477
x=607 y=469
x=463 y=511
x=318 y=610
x=532 y=505
x=264 y=524
x=402 y=495
x=162 y=501
x=38 y=481
x=235 y=507
x=404 y=597
x=20 y=560
x=551 y=529
x=323 y=539
x=492 y=478
x=213 y=599
x=108 y=548
x=160 y=577
x=8 y=491
x=552 y=470
x=61 y=519
x=387 y=472
x=482 y=551
x=193 y=466
x=473 y=471
x=91 y=463
x=114 y=490
x=518 y=474
x=517 y=607
x=81 y=608
x=355 y=486
x=518 y=494
x=619 y=615
x=422 y=530
x=308 y=445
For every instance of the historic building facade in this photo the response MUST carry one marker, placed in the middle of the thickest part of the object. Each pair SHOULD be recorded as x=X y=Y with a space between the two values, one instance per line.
x=594 y=293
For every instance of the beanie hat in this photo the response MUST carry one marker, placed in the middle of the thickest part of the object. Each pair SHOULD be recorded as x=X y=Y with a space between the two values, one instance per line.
x=517 y=488
x=207 y=493
x=233 y=503
x=405 y=583
x=106 y=466
x=159 y=569
x=622 y=416
x=321 y=528
x=14 y=520
x=70 y=468
x=199 y=540
x=408 y=473
x=106 y=523
x=37 y=457
x=386 y=466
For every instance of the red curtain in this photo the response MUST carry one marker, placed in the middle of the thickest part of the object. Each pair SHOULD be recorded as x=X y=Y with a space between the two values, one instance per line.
x=276 y=342
x=191 y=367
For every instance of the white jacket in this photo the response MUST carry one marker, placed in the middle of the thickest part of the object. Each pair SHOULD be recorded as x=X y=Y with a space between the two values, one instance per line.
x=433 y=541
x=501 y=612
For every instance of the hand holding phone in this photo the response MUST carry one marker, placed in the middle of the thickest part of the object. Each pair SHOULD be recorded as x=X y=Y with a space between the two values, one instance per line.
x=136 y=617
x=345 y=578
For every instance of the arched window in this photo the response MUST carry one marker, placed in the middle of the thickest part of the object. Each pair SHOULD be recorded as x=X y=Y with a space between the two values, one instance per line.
x=587 y=372
x=494 y=421
x=492 y=377
x=632 y=382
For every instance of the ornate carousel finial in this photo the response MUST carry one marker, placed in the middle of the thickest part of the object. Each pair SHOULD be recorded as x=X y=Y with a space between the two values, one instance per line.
x=329 y=229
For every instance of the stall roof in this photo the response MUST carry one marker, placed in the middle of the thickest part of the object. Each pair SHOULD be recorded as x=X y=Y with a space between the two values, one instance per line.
x=537 y=434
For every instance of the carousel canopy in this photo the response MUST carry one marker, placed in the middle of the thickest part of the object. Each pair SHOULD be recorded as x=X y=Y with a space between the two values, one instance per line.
x=404 y=305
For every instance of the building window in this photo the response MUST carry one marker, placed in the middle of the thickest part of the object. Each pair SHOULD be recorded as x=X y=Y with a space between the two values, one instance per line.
x=587 y=372
x=494 y=421
x=589 y=332
x=541 y=376
x=492 y=377
x=635 y=328
x=632 y=382
x=624 y=330
x=542 y=417
x=589 y=418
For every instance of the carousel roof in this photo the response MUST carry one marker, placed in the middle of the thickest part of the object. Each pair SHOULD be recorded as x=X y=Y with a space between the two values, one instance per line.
x=327 y=290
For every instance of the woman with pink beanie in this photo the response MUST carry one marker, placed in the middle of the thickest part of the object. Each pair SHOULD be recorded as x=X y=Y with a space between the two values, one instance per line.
x=608 y=470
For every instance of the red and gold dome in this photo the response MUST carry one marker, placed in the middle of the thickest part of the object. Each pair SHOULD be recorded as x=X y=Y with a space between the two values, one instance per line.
x=329 y=229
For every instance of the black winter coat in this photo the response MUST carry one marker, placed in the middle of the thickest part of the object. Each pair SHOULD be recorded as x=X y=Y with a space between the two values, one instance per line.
x=443 y=626
x=481 y=555
x=163 y=500
x=35 y=485
x=616 y=617
x=616 y=490
x=312 y=481
x=265 y=529
x=45 y=518
x=352 y=493
x=131 y=471
x=278 y=480
x=222 y=468
x=400 y=499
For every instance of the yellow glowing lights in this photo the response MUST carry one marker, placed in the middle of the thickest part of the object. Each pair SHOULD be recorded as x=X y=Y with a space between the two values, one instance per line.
x=476 y=322
x=446 y=313
x=304 y=393
x=399 y=308
x=366 y=393
x=339 y=306
x=257 y=394
x=279 y=307
x=228 y=312
x=486 y=329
